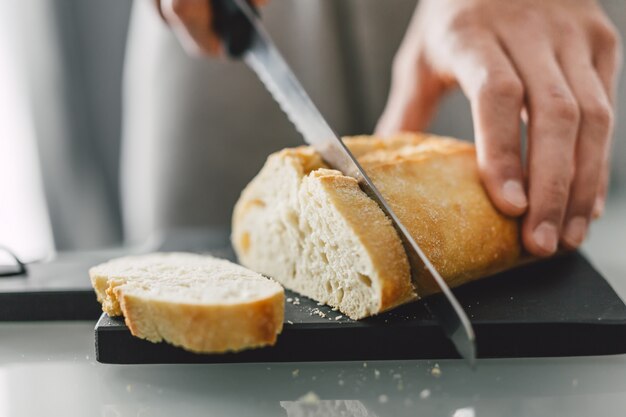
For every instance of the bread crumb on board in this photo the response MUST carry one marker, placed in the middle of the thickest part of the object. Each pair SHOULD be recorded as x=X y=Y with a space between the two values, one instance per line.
x=383 y=399
x=295 y=373
x=424 y=394
x=309 y=398
x=436 y=371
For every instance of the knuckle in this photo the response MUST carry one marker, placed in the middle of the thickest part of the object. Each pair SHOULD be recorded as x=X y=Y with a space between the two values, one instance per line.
x=182 y=8
x=597 y=112
x=583 y=194
x=501 y=158
x=606 y=34
x=567 y=28
x=498 y=85
x=555 y=190
x=500 y=163
x=529 y=17
x=581 y=205
x=465 y=21
x=562 y=106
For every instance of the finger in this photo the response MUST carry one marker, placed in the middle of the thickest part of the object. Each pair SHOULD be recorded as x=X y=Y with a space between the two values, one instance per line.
x=607 y=56
x=191 y=20
x=157 y=4
x=603 y=188
x=553 y=126
x=413 y=98
x=596 y=121
x=496 y=93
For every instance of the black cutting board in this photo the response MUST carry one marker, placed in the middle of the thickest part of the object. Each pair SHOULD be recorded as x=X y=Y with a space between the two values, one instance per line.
x=558 y=307
x=59 y=288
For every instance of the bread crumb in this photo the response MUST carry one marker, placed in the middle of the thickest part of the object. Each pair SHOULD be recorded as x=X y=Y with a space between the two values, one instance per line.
x=338 y=317
x=364 y=363
x=425 y=394
x=383 y=399
x=289 y=299
x=295 y=373
x=289 y=321
x=376 y=373
x=436 y=371
x=341 y=382
x=397 y=376
x=464 y=412
x=309 y=398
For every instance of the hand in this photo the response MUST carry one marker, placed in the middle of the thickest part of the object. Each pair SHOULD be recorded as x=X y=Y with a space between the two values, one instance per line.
x=552 y=62
x=191 y=21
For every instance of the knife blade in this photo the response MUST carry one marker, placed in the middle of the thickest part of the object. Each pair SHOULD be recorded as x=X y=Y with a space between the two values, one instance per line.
x=238 y=24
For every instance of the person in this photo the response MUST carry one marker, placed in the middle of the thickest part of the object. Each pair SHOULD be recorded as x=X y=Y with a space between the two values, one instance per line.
x=551 y=64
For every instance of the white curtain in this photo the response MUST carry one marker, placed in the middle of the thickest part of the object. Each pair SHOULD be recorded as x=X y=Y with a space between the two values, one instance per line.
x=24 y=223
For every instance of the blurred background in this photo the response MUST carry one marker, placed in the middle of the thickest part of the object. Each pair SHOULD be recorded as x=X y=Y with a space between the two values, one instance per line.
x=110 y=133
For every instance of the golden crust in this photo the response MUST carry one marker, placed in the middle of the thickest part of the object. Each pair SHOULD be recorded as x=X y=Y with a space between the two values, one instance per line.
x=205 y=328
x=434 y=187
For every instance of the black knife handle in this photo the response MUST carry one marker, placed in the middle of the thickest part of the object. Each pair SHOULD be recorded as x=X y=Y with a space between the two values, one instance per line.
x=232 y=26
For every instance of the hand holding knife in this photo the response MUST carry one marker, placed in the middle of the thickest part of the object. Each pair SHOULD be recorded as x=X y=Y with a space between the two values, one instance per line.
x=243 y=35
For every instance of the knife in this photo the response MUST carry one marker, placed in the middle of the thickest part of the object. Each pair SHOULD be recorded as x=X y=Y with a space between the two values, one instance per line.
x=237 y=23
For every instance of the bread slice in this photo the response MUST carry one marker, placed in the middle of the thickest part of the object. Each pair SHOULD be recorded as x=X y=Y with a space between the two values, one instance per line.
x=316 y=232
x=197 y=302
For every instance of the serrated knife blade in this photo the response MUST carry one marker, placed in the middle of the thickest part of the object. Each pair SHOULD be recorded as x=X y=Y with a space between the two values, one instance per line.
x=266 y=61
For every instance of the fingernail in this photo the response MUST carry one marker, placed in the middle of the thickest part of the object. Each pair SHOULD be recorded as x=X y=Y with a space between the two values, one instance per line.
x=513 y=192
x=546 y=236
x=575 y=231
x=598 y=208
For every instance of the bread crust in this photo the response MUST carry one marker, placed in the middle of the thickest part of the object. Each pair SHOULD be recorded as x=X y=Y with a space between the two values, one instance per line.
x=205 y=328
x=443 y=204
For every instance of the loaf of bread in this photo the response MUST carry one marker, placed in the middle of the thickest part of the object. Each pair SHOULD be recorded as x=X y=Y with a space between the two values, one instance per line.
x=200 y=303
x=316 y=232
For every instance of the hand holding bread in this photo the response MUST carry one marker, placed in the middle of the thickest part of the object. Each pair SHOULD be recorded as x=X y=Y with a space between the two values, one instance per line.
x=554 y=64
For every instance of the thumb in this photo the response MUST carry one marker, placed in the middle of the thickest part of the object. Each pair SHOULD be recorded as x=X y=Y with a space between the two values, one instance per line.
x=413 y=98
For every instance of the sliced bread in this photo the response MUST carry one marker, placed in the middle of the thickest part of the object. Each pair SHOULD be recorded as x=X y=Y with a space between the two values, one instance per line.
x=197 y=302
x=316 y=232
